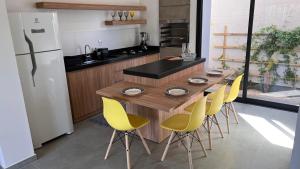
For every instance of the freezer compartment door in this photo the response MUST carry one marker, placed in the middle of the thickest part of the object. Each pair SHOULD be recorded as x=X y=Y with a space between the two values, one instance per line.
x=47 y=102
x=40 y=27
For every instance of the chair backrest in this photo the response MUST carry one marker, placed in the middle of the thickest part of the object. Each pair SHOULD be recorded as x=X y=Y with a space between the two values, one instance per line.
x=235 y=89
x=217 y=101
x=115 y=115
x=198 y=115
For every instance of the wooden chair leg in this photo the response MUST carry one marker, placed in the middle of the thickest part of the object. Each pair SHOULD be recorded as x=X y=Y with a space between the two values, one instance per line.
x=235 y=113
x=215 y=117
x=110 y=144
x=208 y=132
x=167 y=147
x=227 y=116
x=127 y=150
x=203 y=148
x=143 y=141
x=188 y=143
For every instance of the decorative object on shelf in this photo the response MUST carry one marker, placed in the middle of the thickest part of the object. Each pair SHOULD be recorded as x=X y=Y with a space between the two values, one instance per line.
x=113 y=15
x=132 y=13
x=120 y=13
x=197 y=80
x=177 y=91
x=126 y=13
x=128 y=22
x=133 y=91
x=83 y=6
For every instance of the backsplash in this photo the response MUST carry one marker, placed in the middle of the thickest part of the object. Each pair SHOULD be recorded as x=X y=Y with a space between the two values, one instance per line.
x=73 y=42
x=81 y=27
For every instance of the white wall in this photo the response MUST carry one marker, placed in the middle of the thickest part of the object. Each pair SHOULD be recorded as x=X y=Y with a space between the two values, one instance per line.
x=1 y=158
x=80 y=27
x=15 y=138
x=206 y=29
x=295 y=162
x=152 y=16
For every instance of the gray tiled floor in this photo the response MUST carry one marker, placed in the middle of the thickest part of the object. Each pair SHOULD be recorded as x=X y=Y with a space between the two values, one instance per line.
x=244 y=148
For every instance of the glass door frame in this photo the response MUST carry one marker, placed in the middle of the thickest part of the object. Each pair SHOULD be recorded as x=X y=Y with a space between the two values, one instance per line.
x=244 y=98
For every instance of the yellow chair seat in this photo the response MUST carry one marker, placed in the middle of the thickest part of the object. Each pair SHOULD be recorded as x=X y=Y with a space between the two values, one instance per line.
x=137 y=121
x=177 y=122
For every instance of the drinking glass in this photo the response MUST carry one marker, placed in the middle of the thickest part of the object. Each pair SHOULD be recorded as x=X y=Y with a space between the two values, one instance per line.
x=132 y=13
x=186 y=48
x=113 y=15
x=120 y=13
x=126 y=13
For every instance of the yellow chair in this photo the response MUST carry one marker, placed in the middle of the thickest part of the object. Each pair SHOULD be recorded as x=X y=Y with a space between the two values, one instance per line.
x=124 y=125
x=230 y=97
x=185 y=126
x=213 y=106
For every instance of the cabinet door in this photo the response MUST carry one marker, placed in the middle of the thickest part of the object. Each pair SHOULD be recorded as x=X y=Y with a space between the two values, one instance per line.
x=83 y=85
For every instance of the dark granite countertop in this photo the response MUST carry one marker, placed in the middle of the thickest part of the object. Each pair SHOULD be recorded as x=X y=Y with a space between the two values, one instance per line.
x=161 y=68
x=73 y=63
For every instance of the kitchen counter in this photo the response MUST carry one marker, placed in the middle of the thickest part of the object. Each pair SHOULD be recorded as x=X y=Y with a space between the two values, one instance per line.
x=73 y=63
x=161 y=68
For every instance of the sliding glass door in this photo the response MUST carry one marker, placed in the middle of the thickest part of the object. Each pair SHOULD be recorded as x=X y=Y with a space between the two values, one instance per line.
x=274 y=65
x=229 y=26
x=260 y=38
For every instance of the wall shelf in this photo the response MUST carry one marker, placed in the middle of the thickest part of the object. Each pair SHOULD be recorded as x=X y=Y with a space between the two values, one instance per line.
x=128 y=22
x=81 y=6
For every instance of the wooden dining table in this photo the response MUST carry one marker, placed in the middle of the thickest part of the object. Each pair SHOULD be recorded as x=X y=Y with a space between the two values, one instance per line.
x=155 y=105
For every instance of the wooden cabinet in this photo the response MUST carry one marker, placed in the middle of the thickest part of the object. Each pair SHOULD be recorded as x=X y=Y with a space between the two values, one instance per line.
x=83 y=85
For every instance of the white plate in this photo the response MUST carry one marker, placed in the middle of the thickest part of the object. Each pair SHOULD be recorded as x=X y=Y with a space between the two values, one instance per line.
x=215 y=73
x=177 y=91
x=133 y=91
x=197 y=80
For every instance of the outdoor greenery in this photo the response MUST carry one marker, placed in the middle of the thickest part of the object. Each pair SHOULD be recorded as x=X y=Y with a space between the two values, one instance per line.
x=274 y=47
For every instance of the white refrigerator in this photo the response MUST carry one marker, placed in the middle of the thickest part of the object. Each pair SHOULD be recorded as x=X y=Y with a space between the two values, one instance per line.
x=42 y=72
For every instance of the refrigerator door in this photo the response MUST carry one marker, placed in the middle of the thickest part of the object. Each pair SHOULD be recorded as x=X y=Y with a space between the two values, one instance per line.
x=47 y=102
x=40 y=27
x=18 y=35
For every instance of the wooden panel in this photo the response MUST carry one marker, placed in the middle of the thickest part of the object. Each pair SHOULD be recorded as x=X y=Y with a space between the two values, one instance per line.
x=128 y=22
x=153 y=131
x=159 y=82
x=84 y=83
x=81 y=6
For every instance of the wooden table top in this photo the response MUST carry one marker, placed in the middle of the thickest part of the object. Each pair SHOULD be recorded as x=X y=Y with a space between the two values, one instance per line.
x=156 y=98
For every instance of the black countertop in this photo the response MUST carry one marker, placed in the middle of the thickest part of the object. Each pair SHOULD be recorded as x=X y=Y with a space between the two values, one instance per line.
x=73 y=63
x=161 y=68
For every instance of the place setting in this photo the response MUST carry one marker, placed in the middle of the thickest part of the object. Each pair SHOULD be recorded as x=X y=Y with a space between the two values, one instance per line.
x=197 y=81
x=215 y=72
x=133 y=91
x=177 y=92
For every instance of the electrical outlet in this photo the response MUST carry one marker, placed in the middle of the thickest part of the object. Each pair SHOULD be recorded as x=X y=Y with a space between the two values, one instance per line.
x=100 y=43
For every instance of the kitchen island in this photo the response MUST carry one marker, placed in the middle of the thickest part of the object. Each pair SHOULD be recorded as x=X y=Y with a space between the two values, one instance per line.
x=155 y=78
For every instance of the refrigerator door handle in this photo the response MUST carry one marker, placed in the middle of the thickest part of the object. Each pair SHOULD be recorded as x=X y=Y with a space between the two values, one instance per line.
x=33 y=61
